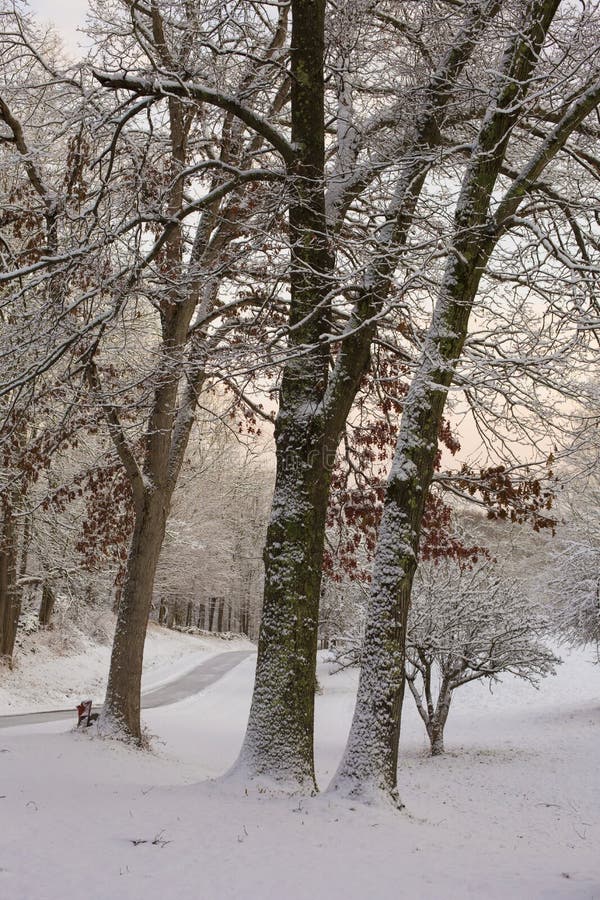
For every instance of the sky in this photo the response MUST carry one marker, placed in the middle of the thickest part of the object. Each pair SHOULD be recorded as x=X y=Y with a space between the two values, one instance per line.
x=66 y=15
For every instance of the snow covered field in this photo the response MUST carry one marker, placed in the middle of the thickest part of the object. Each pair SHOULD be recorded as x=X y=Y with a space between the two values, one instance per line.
x=511 y=811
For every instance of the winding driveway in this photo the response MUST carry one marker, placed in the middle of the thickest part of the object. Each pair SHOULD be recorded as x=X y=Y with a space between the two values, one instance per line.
x=188 y=684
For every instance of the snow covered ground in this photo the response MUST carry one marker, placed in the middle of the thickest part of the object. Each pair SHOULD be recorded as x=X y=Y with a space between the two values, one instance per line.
x=512 y=811
x=55 y=670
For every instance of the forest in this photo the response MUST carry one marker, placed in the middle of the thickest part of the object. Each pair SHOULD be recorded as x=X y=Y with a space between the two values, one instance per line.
x=299 y=329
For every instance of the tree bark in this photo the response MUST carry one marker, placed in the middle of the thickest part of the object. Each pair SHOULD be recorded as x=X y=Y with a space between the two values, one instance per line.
x=438 y=722
x=171 y=610
x=46 y=606
x=10 y=596
x=212 y=606
x=220 y=614
x=244 y=618
x=437 y=740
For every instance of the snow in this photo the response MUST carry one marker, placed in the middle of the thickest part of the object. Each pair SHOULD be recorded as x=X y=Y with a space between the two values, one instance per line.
x=49 y=675
x=511 y=810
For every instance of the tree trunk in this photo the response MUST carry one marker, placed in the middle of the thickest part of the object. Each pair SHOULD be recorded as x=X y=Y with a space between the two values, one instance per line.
x=10 y=596
x=221 y=602
x=177 y=614
x=171 y=610
x=121 y=712
x=370 y=760
x=212 y=606
x=25 y=546
x=244 y=618
x=46 y=606
x=279 y=740
x=438 y=722
x=436 y=739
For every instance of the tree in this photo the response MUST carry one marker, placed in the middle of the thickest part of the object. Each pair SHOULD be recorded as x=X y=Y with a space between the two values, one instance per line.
x=193 y=163
x=487 y=209
x=577 y=584
x=342 y=610
x=329 y=348
x=37 y=197
x=467 y=624
x=162 y=224
x=212 y=548
x=574 y=575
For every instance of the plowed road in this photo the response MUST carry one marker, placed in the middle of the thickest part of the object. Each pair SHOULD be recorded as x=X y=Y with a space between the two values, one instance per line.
x=192 y=682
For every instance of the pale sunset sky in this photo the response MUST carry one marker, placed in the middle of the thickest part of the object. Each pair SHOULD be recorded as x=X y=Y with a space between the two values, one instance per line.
x=66 y=15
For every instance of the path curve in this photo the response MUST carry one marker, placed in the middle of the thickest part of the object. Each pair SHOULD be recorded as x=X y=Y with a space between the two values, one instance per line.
x=188 y=684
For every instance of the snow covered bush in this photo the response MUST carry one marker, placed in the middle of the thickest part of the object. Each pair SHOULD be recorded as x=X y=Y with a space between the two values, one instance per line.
x=464 y=625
